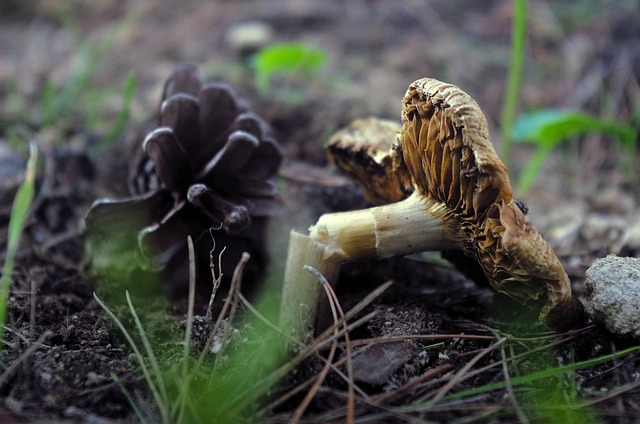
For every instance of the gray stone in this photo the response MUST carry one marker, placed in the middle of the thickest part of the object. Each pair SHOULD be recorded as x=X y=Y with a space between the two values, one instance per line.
x=613 y=295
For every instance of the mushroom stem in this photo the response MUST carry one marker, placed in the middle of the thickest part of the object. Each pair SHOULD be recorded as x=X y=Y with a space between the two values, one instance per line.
x=301 y=291
x=415 y=224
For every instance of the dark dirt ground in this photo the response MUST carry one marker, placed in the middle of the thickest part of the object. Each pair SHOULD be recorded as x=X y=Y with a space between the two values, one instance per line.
x=61 y=349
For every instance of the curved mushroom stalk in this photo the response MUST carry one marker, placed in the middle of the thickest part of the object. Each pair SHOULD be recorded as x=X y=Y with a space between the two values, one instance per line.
x=462 y=200
x=415 y=224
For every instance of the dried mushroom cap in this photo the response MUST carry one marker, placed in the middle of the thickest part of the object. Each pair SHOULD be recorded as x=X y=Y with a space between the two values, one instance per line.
x=448 y=151
x=369 y=152
x=211 y=163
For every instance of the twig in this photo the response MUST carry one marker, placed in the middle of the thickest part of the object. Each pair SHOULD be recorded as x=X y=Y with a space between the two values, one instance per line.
x=216 y=280
x=322 y=338
x=456 y=378
x=349 y=353
x=236 y=281
x=512 y=395
x=515 y=357
x=616 y=392
x=8 y=372
x=32 y=313
x=220 y=319
x=391 y=339
x=186 y=377
x=319 y=343
x=16 y=333
x=413 y=383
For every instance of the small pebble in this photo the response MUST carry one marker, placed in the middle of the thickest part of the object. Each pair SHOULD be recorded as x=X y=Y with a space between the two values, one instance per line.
x=613 y=295
x=11 y=163
x=245 y=38
x=377 y=364
x=629 y=244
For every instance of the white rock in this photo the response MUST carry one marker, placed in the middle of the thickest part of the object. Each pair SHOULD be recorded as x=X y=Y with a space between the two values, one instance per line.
x=613 y=295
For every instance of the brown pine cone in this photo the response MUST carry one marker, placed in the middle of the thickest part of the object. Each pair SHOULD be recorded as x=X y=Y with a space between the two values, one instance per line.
x=210 y=164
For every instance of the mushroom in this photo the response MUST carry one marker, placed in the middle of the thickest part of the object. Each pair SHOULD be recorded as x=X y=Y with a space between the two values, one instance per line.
x=363 y=151
x=462 y=200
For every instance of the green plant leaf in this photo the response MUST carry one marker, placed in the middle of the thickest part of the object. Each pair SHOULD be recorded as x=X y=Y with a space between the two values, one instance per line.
x=551 y=126
x=285 y=58
x=288 y=57
x=547 y=128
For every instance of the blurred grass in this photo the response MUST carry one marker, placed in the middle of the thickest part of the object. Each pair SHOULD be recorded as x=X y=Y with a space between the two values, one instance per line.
x=547 y=128
x=19 y=214
x=512 y=93
x=80 y=104
x=203 y=386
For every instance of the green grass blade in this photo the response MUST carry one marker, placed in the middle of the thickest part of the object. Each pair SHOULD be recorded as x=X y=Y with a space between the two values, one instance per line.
x=47 y=102
x=510 y=104
x=129 y=398
x=160 y=402
x=155 y=367
x=548 y=373
x=19 y=213
x=87 y=63
x=123 y=116
x=83 y=70
x=532 y=168
x=524 y=380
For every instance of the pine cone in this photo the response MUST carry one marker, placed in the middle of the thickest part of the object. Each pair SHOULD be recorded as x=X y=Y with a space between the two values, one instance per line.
x=210 y=164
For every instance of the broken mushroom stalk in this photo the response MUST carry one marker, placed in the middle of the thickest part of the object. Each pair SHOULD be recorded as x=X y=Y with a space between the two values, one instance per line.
x=462 y=200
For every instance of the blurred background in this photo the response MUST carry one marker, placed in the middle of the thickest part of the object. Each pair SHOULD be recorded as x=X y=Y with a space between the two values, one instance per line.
x=91 y=73
x=559 y=82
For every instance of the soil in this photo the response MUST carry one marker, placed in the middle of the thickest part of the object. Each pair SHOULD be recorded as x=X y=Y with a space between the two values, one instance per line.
x=64 y=359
